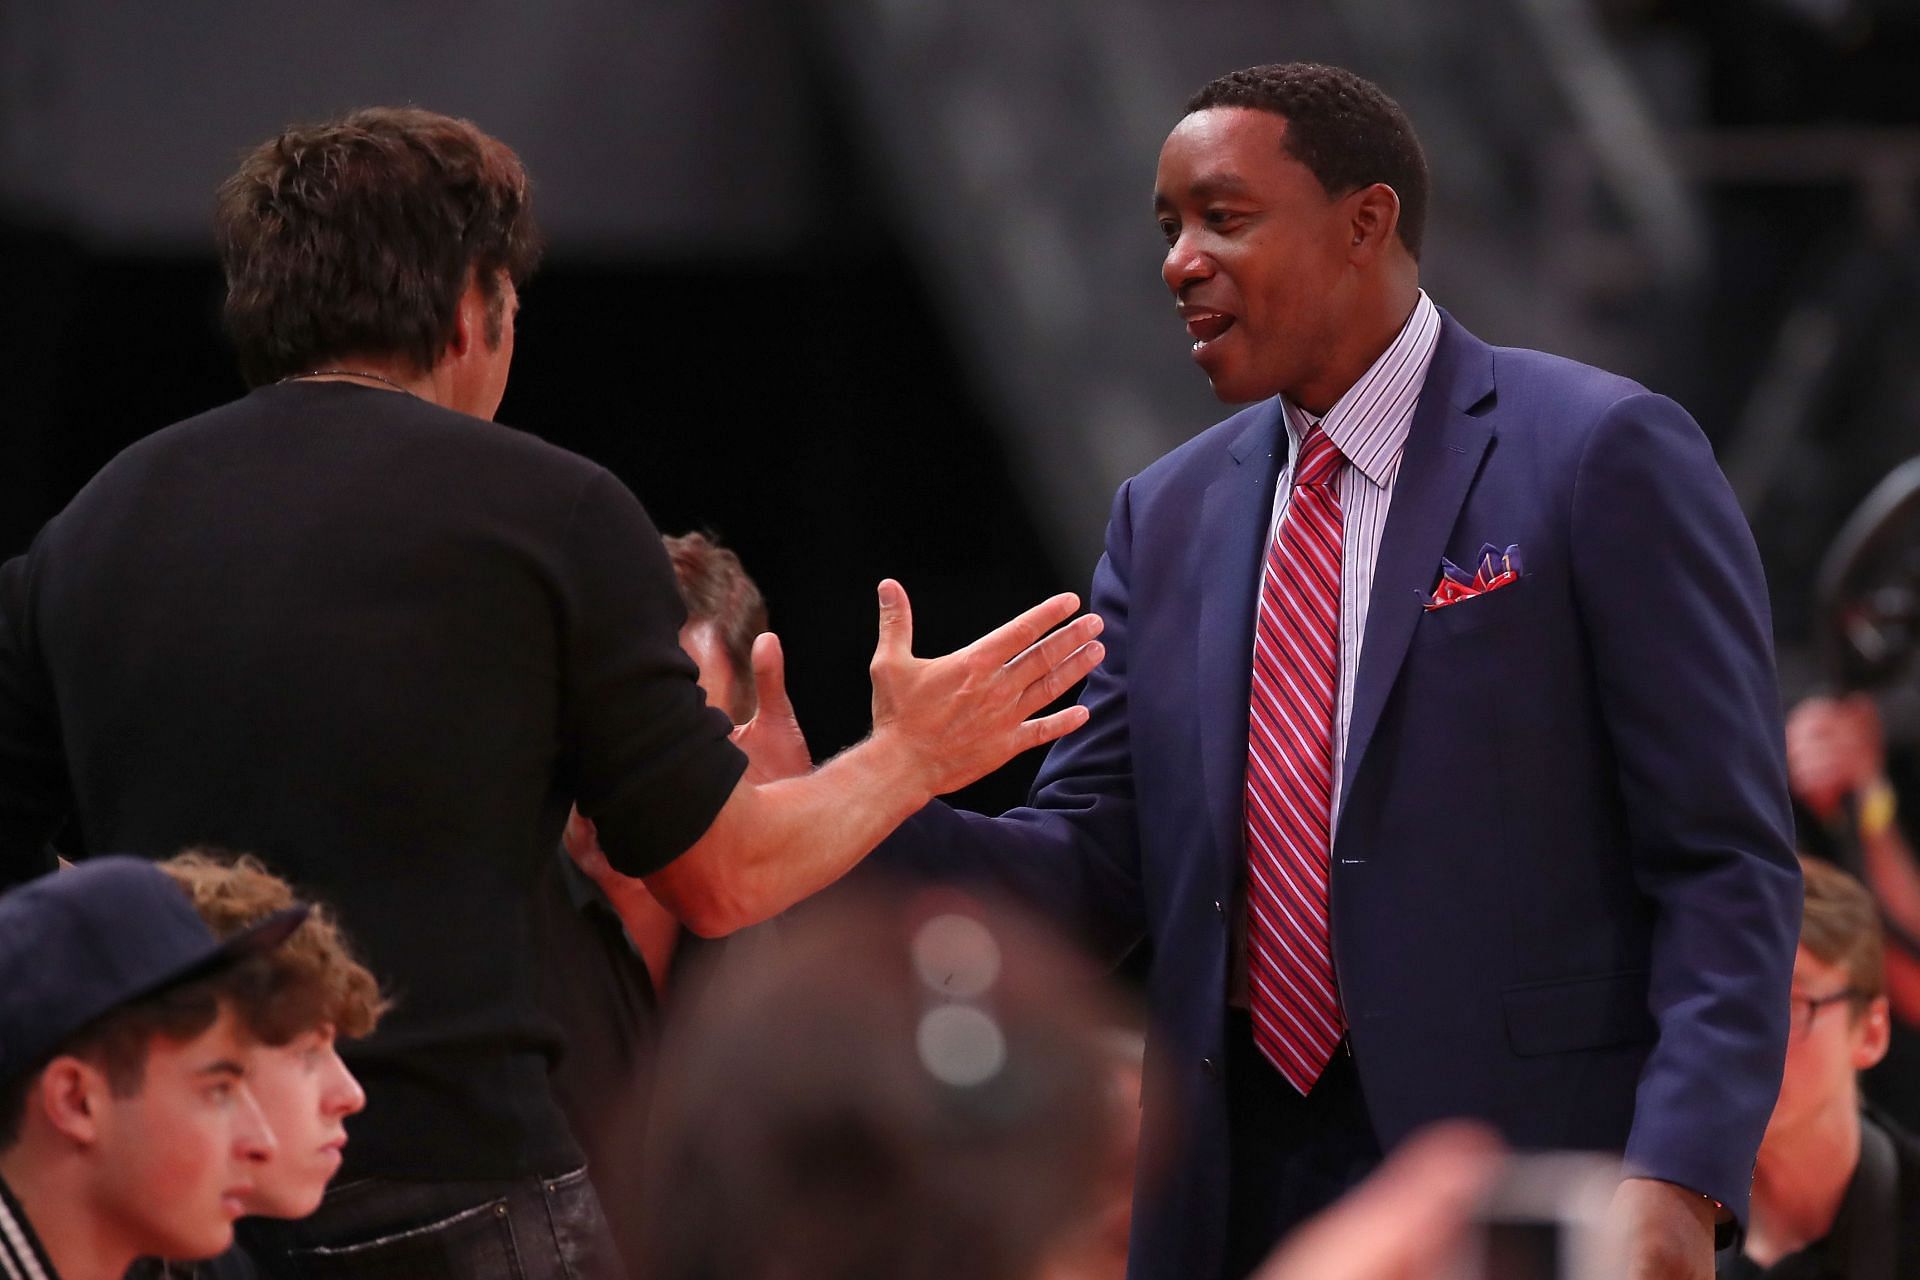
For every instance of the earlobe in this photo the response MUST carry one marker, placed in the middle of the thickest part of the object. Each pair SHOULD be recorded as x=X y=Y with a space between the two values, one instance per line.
x=1875 y=1035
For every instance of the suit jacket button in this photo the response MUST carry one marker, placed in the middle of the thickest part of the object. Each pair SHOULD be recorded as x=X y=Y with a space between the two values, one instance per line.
x=1218 y=909
x=1207 y=1065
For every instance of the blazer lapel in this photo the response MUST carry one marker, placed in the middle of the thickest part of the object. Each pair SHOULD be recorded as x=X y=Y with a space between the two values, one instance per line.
x=1445 y=444
x=1233 y=528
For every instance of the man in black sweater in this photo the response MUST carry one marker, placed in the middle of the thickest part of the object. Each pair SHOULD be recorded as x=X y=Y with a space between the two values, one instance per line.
x=350 y=624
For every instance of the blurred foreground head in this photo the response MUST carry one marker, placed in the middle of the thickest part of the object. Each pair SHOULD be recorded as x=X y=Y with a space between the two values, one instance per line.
x=914 y=1093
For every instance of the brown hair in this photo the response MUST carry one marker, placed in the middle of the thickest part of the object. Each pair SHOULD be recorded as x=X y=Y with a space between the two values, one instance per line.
x=1840 y=925
x=935 y=1108
x=312 y=978
x=716 y=589
x=117 y=1041
x=358 y=236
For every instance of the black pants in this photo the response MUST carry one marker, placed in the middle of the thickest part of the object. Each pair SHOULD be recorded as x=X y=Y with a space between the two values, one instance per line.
x=386 y=1229
x=1290 y=1155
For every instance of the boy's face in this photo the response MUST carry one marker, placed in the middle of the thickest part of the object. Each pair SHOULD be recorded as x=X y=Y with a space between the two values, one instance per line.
x=1830 y=1042
x=306 y=1093
x=176 y=1161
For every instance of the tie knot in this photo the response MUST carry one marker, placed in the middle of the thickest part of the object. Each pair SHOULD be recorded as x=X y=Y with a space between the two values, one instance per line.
x=1319 y=460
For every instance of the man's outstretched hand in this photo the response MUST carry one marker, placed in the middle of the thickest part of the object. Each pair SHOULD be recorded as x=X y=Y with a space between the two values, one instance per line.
x=788 y=831
x=955 y=719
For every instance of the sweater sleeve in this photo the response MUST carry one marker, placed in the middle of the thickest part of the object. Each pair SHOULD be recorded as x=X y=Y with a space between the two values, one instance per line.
x=654 y=762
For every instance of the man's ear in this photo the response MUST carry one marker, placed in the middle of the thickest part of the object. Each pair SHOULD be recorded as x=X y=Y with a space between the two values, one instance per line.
x=469 y=321
x=1876 y=1031
x=70 y=1093
x=1373 y=221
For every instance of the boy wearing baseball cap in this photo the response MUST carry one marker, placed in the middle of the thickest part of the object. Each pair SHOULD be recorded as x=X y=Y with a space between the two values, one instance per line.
x=126 y=1125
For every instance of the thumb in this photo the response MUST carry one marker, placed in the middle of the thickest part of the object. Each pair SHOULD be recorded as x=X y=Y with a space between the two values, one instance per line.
x=770 y=677
x=896 y=622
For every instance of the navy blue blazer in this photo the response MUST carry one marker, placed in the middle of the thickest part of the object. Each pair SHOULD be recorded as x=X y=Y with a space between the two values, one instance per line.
x=1564 y=894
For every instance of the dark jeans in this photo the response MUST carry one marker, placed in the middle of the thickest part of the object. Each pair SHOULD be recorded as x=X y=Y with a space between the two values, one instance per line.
x=386 y=1229
x=1290 y=1156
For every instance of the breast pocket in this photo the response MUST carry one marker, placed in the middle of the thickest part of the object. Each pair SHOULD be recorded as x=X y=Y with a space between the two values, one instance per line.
x=1475 y=614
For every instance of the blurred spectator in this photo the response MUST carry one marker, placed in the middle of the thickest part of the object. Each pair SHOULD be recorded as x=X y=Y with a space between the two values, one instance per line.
x=126 y=1123
x=316 y=991
x=1837 y=764
x=1836 y=1190
x=933 y=1108
x=934 y=1112
x=609 y=949
x=1405 y=1222
x=1099 y=1250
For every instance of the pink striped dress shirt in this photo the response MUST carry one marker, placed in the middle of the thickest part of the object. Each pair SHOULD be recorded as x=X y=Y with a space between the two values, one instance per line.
x=1369 y=426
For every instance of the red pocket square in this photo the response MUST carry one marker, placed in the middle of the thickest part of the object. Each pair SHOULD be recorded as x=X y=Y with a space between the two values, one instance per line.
x=1495 y=569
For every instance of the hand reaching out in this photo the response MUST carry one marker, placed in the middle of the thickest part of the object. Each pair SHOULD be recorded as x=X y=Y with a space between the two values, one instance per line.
x=775 y=745
x=788 y=831
x=957 y=718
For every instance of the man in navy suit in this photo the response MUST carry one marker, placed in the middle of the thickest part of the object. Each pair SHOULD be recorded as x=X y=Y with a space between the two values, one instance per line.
x=1508 y=842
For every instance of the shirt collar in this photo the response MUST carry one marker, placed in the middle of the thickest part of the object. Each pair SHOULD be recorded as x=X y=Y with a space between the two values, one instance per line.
x=19 y=1245
x=1369 y=423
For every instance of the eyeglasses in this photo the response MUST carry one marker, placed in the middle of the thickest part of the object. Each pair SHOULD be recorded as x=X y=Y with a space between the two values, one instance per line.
x=1807 y=1008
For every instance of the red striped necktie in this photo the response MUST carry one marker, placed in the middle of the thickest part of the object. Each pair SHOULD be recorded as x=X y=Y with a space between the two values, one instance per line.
x=1296 y=672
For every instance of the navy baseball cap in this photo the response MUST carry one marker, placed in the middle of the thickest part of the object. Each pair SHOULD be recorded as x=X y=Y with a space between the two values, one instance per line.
x=79 y=943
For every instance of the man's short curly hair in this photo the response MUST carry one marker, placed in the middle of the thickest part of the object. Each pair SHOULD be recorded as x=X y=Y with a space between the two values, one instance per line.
x=312 y=978
x=358 y=236
x=1343 y=128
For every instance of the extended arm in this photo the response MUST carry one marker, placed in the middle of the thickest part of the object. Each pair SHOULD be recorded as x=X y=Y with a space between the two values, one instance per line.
x=938 y=724
x=1073 y=851
x=723 y=845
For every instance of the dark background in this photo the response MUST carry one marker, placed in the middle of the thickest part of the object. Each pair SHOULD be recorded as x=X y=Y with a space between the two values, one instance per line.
x=871 y=289
x=844 y=449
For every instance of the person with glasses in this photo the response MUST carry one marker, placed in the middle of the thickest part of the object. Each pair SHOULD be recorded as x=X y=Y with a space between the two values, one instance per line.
x=1836 y=1190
